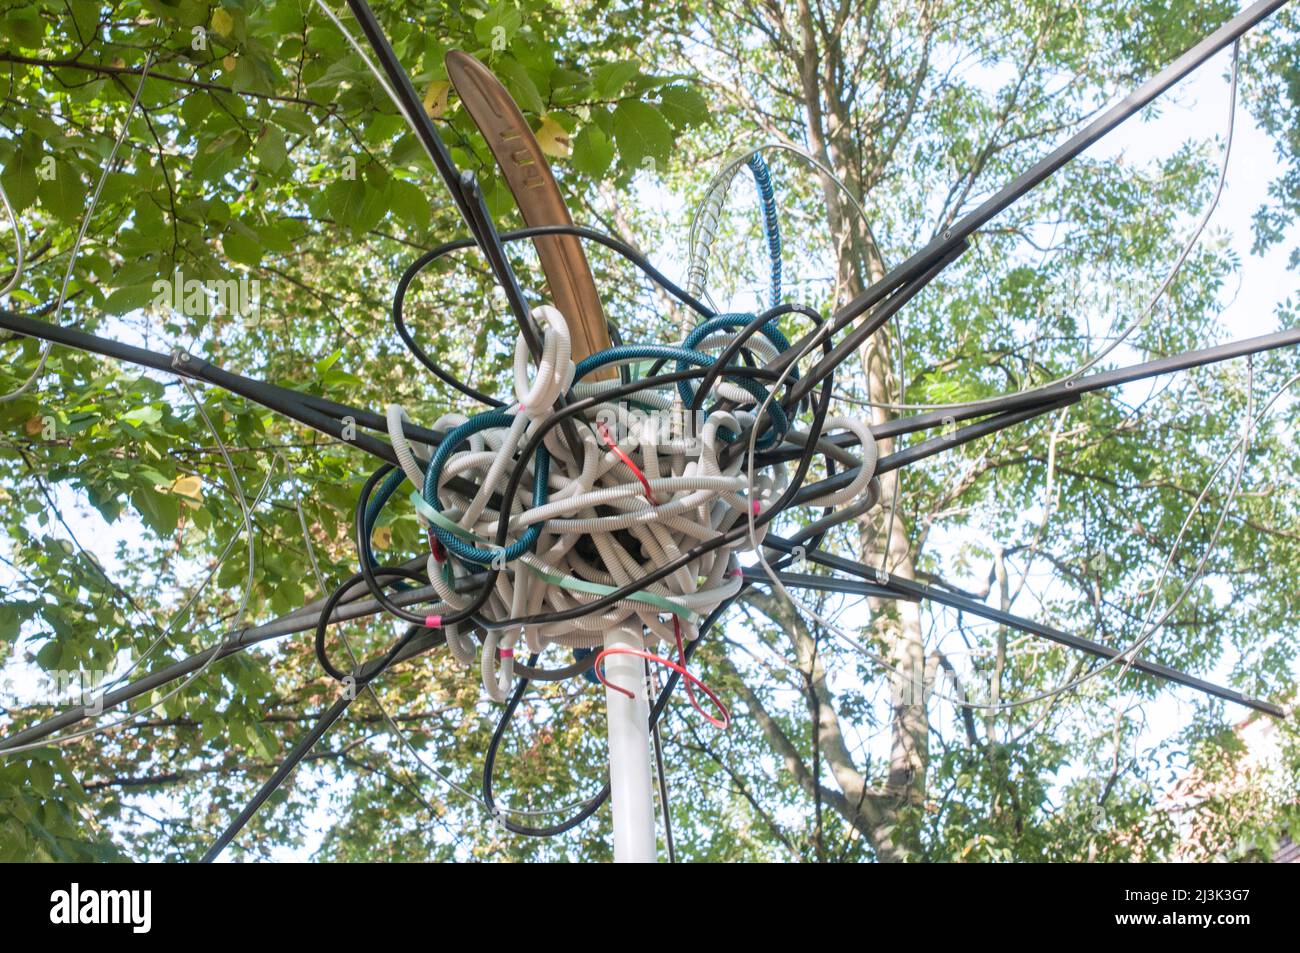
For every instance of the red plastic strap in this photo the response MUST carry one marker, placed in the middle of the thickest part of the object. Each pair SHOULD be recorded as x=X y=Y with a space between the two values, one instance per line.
x=627 y=461
x=436 y=547
x=724 y=722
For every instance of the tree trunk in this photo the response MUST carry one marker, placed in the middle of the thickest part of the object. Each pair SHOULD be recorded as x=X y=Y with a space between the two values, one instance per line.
x=884 y=538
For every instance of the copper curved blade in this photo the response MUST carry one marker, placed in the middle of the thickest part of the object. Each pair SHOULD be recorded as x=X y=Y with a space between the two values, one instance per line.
x=537 y=194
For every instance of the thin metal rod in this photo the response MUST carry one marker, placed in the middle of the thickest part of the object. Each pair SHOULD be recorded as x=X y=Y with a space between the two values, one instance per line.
x=499 y=260
x=984 y=428
x=915 y=590
x=852 y=341
x=462 y=185
x=317 y=413
x=661 y=777
x=300 y=620
x=798 y=580
x=327 y=416
x=1047 y=399
x=411 y=105
x=960 y=231
x=304 y=745
x=928 y=448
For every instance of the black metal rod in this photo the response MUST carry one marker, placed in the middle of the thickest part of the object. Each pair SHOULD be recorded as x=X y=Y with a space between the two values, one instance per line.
x=462 y=185
x=928 y=448
x=799 y=580
x=303 y=619
x=960 y=231
x=983 y=428
x=915 y=590
x=852 y=341
x=318 y=413
x=1052 y=393
x=499 y=260
x=304 y=745
x=412 y=105
x=1046 y=399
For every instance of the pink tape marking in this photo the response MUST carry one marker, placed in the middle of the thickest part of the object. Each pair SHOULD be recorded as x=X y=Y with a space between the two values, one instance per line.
x=433 y=622
x=756 y=507
x=507 y=653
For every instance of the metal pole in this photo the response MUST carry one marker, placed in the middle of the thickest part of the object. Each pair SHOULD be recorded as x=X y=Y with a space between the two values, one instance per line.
x=629 y=751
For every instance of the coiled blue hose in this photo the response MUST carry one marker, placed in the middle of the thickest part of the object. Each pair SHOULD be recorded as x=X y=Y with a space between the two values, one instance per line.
x=771 y=225
x=376 y=506
x=541 y=474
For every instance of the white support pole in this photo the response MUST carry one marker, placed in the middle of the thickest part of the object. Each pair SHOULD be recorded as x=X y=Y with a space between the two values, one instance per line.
x=629 y=752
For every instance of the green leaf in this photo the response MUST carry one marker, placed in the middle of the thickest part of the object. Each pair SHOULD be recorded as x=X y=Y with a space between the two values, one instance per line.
x=160 y=511
x=85 y=18
x=270 y=149
x=223 y=22
x=251 y=76
x=139 y=417
x=20 y=177
x=242 y=244
x=355 y=204
x=49 y=656
x=24 y=27
x=520 y=84
x=40 y=777
x=609 y=79
x=211 y=727
x=411 y=204
x=296 y=121
x=642 y=133
x=497 y=27
x=683 y=106
x=64 y=195
x=592 y=151
x=9 y=622
x=325 y=363
x=131 y=298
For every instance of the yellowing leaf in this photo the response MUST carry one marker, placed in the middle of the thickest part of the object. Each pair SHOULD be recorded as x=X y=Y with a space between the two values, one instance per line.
x=553 y=139
x=34 y=425
x=190 y=486
x=435 y=98
x=383 y=537
x=228 y=63
x=222 y=22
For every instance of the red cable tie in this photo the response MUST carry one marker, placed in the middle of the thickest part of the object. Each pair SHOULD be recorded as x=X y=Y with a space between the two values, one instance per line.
x=724 y=722
x=681 y=654
x=609 y=442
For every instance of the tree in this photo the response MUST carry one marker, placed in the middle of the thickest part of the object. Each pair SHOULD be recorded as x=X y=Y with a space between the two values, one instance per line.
x=263 y=150
x=890 y=98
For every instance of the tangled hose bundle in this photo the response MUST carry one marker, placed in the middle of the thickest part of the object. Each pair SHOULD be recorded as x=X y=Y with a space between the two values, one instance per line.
x=652 y=482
